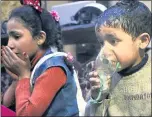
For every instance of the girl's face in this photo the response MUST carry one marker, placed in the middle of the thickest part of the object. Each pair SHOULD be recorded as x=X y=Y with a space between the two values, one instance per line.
x=118 y=46
x=20 y=39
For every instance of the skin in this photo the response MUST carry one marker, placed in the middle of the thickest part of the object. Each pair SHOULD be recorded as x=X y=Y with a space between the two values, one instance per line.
x=118 y=46
x=9 y=94
x=21 y=48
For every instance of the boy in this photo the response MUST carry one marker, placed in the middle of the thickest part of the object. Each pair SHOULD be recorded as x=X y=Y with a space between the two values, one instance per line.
x=124 y=30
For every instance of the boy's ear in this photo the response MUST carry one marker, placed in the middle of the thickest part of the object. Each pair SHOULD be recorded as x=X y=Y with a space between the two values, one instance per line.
x=144 y=40
x=42 y=37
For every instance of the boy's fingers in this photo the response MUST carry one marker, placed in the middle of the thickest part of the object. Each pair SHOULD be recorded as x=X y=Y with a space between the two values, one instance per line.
x=108 y=82
x=94 y=81
x=93 y=73
x=108 y=77
x=95 y=88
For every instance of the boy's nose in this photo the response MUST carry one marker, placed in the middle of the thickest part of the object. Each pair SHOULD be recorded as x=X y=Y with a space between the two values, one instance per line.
x=107 y=52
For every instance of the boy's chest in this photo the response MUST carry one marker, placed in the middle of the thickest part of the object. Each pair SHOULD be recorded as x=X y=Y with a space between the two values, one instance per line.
x=132 y=96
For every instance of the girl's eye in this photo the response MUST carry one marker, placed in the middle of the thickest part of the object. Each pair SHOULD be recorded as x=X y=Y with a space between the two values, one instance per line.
x=16 y=36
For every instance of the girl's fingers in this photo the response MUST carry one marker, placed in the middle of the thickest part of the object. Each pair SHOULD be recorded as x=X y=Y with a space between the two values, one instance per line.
x=5 y=58
x=10 y=53
x=5 y=63
x=26 y=57
x=11 y=74
x=5 y=51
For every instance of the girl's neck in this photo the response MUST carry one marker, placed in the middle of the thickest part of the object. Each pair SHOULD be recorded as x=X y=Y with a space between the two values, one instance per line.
x=37 y=56
x=40 y=53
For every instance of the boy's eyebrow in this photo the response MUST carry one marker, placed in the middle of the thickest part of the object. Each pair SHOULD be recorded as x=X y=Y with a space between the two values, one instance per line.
x=110 y=36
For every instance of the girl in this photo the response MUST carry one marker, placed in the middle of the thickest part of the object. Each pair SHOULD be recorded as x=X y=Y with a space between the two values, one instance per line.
x=46 y=85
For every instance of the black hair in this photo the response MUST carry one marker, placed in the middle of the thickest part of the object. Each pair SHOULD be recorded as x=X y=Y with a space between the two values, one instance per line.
x=4 y=29
x=131 y=16
x=36 y=21
x=4 y=35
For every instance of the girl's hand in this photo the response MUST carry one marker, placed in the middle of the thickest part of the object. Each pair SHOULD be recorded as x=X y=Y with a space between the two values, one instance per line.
x=18 y=66
x=13 y=76
x=95 y=84
x=9 y=95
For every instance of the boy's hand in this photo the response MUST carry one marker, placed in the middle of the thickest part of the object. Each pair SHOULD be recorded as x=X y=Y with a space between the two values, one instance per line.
x=95 y=85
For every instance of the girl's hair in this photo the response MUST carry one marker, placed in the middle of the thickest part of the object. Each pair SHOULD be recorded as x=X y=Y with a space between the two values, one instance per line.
x=35 y=22
x=130 y=15
x=4 y=34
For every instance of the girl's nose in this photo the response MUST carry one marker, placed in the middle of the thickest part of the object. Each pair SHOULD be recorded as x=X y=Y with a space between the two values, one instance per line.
x=11 y=44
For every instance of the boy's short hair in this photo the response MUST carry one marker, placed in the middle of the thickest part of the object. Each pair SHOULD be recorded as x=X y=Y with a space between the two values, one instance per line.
x=132 y=16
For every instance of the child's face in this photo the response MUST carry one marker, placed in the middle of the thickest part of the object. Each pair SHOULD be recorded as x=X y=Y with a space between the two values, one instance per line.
x=20 y=39
x=119 y=46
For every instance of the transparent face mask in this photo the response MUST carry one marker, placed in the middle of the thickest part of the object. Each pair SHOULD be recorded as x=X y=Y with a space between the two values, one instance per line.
x=105 y=67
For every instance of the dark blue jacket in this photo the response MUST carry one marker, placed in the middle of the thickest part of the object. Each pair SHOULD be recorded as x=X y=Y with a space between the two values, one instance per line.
x=65 y=101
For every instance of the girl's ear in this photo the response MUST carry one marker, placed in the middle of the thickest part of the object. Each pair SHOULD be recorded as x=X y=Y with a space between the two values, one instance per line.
x=41 y=39
x=144 y=40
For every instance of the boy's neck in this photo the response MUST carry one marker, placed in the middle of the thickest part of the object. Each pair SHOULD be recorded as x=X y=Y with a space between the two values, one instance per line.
x=139 y=60
x=136 y=68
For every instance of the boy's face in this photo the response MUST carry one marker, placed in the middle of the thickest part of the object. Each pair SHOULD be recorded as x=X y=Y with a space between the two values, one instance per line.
x=119 y=46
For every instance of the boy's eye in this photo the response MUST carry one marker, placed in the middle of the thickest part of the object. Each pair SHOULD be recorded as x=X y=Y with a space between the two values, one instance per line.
x=113 y=42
